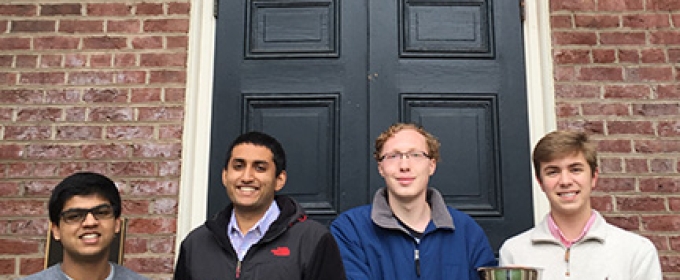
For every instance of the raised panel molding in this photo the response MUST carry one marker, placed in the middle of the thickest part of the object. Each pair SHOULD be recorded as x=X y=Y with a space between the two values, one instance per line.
x=292 y=29
x=469 y=145
x=307 y=127
x=446 y=28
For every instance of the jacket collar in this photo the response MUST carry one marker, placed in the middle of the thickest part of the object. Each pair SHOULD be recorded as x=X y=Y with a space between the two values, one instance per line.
x=382 y=215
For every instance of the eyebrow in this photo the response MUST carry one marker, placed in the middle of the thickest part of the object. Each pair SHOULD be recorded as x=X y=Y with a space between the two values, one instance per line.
x=257 y=161
x=78 y=208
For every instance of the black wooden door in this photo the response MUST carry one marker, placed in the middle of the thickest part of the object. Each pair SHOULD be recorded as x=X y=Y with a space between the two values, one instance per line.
x=327 y=76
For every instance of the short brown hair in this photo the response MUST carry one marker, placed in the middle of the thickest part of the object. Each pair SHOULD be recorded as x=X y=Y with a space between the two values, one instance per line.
x=563 y=143
x=432 y=142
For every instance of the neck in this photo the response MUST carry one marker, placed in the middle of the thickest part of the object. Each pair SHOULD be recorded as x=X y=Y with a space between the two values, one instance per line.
x=416 y=214
x=79 y=270
x=571 y=225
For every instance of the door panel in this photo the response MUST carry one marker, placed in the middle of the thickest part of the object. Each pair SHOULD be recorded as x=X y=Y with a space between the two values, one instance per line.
x=327 y=76
x=282 y=69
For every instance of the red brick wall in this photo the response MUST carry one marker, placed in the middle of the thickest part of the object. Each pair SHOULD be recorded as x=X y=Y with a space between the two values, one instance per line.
x=91 y=86
x=617 y=76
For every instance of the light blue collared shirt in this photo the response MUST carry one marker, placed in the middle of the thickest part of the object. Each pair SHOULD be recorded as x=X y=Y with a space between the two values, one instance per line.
x=242 y=243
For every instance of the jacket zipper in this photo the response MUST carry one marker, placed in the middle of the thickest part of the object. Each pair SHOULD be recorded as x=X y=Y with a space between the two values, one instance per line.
x=416 y=259
x=238 y=269
x=567 y=256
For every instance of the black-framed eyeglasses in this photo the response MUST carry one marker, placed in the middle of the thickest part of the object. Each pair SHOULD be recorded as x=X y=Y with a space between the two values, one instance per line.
x=77 y=215
x=395 y=156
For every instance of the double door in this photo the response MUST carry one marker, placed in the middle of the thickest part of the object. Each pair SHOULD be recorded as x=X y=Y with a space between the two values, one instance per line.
x=325 y=77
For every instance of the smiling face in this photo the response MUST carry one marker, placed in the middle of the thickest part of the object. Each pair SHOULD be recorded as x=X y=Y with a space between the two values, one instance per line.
x=567 y=182
x=89 y=240
x=406 y=178
x=250 y=178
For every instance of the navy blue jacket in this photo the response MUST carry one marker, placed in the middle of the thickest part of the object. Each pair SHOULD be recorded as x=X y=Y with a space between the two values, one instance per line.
x=374 y=245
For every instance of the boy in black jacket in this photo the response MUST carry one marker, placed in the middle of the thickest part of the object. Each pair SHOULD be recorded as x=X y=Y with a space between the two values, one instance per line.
x=260 y=235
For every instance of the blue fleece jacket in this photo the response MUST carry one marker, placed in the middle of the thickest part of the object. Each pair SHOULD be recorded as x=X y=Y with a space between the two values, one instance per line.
x=374 y=245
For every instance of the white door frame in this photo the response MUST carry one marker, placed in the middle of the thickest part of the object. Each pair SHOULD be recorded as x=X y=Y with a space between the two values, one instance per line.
x=193 y=189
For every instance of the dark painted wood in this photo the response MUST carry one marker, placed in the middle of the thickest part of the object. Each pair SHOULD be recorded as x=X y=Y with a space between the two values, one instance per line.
x=326 y=77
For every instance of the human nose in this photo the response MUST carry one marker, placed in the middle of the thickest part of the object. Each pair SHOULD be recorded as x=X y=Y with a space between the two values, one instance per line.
x=90 y=219
x=247 y=175
x=565 y=178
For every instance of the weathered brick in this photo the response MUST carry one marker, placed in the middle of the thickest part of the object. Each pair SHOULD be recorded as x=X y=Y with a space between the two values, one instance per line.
x=105 y=43
x=636 y=165
x=129 y=132
x=124 y=26
x=600 y=74
x=9 y=189
x=147 y=42
x=175 y=94
x=56 y=43
x=42 y=78
x=34 y=227
x=177 y=42
x=28 y=114
x=620 y=5
x=664 y=5
x=101 y=60
x=50 y=151
x=50 y=61
x=9 y=43
x=27 y=133
x=596 y=127
x=669 y=128
x=108 y=151
x=170 y=168
x=166 y=25
x=150 y=265
x=153 y=188
x=597 y=21
x=131 y=77
x=641 y=204
x=151 y=225
x=646 y=21
x=18 y=10
x=39 y=188
x=19 y=169
x=561 y=21
x=572 y=5
x=165 y=151
x=136 y=207
x=629 y=56
x=659 y=185
x=604 y=56
x=665 y=37
x=574 y=38
x=26 y=61
x=78 y=132
x=572 y=56
x=137 y=168
x=11 y=151
x=166 y=206
x=143 y=95
x=59 y=96
x=81 y=26
x=109 y=9
x=90 y=78
x=7 y=266
x=124 y=60
x=623 y=38
x=167 y=76
x=653 y=56
x=60 y=9
x=628 y=91
x=643 y=109
x=31 y=265
x=176 y=8
x=170 y=132
x=609 y=184
x=625 y=222
x=162 y=60
x=20 y=208
x=600 y=109
x=33 y=26
x=662 y=165
x=567 y=109
x=649 y=74
x=611 y=165
x=564 y=73
x=161 y=113
x=662 y=223
x=149 y=9
x=111 y=114
x=657 y=146
x=602 y=203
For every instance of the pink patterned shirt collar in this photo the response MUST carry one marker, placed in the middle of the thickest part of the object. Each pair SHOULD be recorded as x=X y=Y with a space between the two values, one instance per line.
x=557 y=233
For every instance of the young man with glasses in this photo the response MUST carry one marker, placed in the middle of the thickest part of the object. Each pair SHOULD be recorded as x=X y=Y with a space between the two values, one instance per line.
x=85 y=213
x=409 y=232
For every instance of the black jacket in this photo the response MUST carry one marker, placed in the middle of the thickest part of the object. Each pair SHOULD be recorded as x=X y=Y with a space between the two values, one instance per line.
x=294 y=247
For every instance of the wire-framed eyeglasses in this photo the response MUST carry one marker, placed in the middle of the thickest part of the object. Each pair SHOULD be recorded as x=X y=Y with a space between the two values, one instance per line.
x=77 y=215
x=396 y=156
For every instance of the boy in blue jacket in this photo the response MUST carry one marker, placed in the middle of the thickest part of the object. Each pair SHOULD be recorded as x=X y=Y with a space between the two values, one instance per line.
x=409 y=232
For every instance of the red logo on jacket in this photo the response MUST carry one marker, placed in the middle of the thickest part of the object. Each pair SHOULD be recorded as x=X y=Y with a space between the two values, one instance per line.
x=281 y=251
